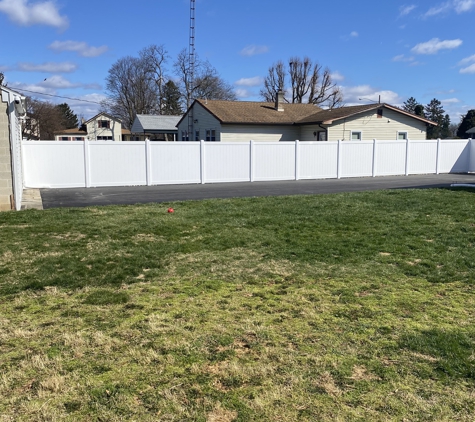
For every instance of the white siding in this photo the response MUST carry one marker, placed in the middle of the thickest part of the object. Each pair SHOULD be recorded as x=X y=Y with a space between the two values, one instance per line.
x=205 y=121
x=115 y=130
x=266 y=133
x=372 y=127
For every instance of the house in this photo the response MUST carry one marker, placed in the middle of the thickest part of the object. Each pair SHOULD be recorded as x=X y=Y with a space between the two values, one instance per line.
x=12 y=111
x=235 y=121
x=155 y=128
x=101 y=127
x=471 y=132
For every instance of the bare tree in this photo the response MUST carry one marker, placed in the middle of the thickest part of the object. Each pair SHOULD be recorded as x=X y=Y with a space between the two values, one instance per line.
x=206 y=84
x=43 y=120
x=154 y=59
x=274 y=82
x=131 y=90
x=308 y=81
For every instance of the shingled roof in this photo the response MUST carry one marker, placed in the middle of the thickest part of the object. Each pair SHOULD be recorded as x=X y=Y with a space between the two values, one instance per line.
x=247 y=112
x=329 y=116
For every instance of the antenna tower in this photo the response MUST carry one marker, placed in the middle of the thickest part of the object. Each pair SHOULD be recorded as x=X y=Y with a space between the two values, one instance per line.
x=191 y=69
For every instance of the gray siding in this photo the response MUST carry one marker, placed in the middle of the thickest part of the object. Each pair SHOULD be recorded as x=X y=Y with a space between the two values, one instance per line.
x=206 y=121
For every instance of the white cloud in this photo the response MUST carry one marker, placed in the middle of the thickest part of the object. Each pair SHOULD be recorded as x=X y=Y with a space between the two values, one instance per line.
x=405 y=10
x=255 y=81
x=469 y=69
x=354 y=34
x=462 y=6
x=82 y=48
x=50 y=67
x=402 y=58
x=434 y=45
x=363 y=94
x=450 y=101
x=58 y=82
x=467 y=60
x=243 y=93
x=24 y=13
x=459 y=6
x=337 y=76
x=253 y=50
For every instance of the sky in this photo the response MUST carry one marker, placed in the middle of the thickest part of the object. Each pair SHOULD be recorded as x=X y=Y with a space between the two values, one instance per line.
x=393 y=49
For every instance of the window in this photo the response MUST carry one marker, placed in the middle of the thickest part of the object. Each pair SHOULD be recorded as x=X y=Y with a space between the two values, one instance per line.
x=402 y=136
x=380 y=113
x=355 y=136
x=322 y=136
x=104 y=138
x=210 y=135
x=197 y=135
x=79 y=138
x=64 y=138
x=104 y=124
x=184 y=136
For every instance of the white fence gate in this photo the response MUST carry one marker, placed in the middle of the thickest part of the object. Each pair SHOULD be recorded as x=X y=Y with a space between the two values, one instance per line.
x=57 y=164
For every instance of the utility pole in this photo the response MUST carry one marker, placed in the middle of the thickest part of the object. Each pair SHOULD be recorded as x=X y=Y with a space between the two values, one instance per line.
x=191 y=69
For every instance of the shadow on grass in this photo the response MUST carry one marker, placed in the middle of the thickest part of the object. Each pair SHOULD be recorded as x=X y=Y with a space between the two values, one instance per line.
x=450 y=352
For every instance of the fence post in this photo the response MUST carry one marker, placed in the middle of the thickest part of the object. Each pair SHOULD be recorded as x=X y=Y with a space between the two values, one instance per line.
x=407 y=158
x=297 y=159
x=338 y=160
x=437 y=158
x=470 y=153
x=87 y=174
x=251 y=160
x=202 y=161
x=374 y=157
x=148 y=162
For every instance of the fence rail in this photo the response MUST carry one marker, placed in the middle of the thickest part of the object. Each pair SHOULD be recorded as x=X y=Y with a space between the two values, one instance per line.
x=56 y=164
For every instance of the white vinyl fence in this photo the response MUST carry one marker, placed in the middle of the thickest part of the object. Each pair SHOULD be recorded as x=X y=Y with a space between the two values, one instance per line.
x=56 y=164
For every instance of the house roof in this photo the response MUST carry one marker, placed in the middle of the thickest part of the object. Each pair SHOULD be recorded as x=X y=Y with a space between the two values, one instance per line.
x=155 y=124
x=70 y=132
x=102 y=113
x=247 y=112
x=125 y=131
x=472 y=130
x=329 y=116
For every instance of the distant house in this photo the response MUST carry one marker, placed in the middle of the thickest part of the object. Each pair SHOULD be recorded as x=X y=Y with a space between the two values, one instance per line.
x=101 y=127
x=155 y=128
x=235 y=121
x=471 y=132
x=12 y=112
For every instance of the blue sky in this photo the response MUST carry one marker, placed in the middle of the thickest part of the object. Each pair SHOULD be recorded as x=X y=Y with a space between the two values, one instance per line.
x=396 y=49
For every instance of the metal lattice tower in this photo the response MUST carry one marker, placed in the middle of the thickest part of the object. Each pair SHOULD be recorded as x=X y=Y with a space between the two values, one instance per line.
x=191 y=69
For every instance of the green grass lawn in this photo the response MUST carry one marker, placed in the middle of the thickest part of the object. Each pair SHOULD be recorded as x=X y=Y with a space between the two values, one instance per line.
x=346 y=307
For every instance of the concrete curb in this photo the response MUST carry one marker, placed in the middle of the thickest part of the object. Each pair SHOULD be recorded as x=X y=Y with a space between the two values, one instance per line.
x=31 y=200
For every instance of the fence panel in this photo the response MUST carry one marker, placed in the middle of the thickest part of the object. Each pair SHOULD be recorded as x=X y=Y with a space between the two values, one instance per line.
x=454 y=156
x=175 y=163
x=227 y=162
x=318 y=160
x=274 y=161
x=422 y=157
x=51 y=164
x=390 y=158
x=356 y=159
x=117 y=164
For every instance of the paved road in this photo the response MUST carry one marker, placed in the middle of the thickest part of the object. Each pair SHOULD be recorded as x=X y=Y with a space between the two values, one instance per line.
x=83 y=197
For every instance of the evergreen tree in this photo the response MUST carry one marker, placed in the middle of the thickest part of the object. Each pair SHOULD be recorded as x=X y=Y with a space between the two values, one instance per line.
x=445 y=128
x=435 y=113
x=410 y=105
x=69 y=119
x=419 y=110
x=171 y=100
x=468 y=122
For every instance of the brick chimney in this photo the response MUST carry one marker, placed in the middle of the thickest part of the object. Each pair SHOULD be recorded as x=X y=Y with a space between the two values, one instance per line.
x=279 y=101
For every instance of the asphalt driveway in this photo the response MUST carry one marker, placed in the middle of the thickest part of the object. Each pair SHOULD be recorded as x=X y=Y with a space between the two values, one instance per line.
x=83 y=197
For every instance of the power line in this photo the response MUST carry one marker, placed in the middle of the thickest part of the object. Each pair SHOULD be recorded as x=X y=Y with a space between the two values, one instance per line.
x=57 y=96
